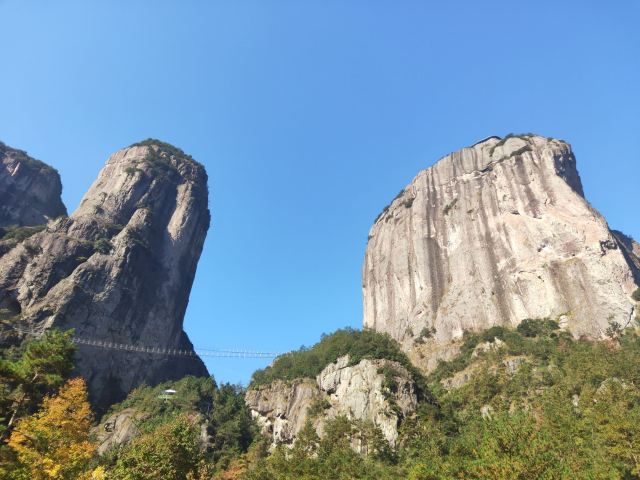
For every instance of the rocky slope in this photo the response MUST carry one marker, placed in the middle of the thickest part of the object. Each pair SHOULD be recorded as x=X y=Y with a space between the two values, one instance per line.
x=119 y=269
x=491 y=235
x=29 y=190
x=379 y=391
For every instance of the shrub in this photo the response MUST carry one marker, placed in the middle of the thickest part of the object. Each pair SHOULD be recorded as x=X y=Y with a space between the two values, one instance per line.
x=28 y=161
x=532 y=337
x=636 y=295
x=386 y=209
x=614 y=330
x=425 y=333
x=520 y=151
x=102 y=245
x=112 y=229
x=537 y=327
x=450 y=206
x=32 y=249
x=167 y=147
x=19 y=233
x=171 y=452
x=523 y=136
x=161 y=164
x=318 y=406
x=390 y=373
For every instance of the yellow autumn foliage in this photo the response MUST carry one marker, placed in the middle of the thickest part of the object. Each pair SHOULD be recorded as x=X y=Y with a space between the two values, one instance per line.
x=53 y=444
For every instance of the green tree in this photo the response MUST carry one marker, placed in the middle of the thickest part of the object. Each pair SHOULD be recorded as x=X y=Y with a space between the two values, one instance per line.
x=170 y=452
x=39 y=369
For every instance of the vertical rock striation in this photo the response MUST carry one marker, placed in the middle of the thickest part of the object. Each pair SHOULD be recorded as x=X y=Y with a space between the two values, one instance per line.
x=29 y=190
x=119 y=269
x=491 y=235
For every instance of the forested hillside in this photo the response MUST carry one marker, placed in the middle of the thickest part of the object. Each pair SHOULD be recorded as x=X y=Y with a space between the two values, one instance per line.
x=525 y=403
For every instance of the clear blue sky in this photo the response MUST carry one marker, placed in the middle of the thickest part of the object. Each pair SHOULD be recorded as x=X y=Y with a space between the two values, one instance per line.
x=310 y=116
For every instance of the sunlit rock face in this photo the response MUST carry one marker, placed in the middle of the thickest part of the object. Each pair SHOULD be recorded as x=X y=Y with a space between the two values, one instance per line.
x=491 y=235
x=359 y=392
x=119 y=269
x=29 y=190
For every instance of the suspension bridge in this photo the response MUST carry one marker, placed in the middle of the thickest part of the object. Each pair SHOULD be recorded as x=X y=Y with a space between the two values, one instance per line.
x=161 y=351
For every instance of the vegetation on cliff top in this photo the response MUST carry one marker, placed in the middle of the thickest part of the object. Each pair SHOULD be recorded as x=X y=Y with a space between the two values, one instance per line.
x=358 y=344
x=27 y=160
x=166 y=147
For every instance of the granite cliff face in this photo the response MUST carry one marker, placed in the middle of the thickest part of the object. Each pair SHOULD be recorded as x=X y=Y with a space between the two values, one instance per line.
x=29 y=190
x=119 y=269
x=360 y=392
x=491 y=235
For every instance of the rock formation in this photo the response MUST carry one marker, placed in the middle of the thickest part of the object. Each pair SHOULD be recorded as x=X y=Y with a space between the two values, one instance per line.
x=360 y=392
x=118 y=270
x=491 y=235
x=29 y=190
x=117 y=429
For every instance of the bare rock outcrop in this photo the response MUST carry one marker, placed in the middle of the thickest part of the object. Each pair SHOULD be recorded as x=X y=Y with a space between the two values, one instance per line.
x=491 y=235
x=117 y=429
x=118 y=270
x=120 y=428
x=281 y=408
x=379 y=391
x=29 y=190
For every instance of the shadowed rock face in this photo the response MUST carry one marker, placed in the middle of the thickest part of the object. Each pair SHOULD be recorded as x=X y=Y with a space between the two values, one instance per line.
x=119 y=269
x=491 y=235
x=29 y=190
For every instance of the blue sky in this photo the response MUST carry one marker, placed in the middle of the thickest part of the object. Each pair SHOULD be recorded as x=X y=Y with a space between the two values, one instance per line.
x=310 y=116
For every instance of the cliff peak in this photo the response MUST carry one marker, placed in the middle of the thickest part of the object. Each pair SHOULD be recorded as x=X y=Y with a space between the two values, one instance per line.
x=491 y=235
x=119 y=269
x=29 y=190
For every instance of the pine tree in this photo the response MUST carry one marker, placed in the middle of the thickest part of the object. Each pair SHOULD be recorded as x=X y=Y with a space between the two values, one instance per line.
x=38 y=371
x=53 y=444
